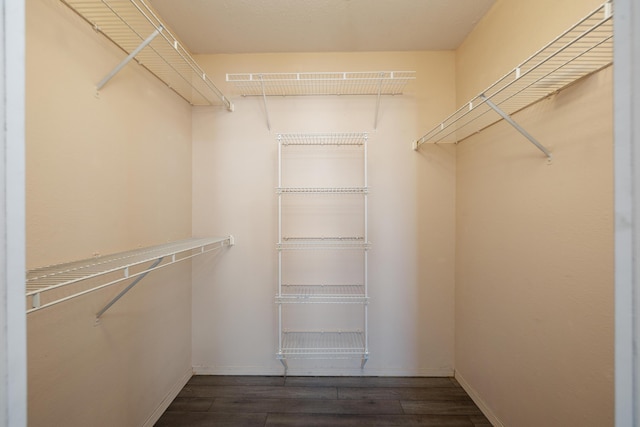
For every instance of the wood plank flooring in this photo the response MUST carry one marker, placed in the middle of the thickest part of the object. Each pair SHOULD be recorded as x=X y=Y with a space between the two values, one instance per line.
x=322 y=401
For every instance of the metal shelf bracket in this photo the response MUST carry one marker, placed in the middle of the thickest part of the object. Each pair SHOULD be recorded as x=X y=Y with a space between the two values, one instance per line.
x=284 y=364
x=375 y=119
x=364 y=360
x=127 y=289
x=129 y=57
x=515 y=125
x=264 y=101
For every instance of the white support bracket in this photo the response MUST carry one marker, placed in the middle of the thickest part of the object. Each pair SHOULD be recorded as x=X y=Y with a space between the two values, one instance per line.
x=132 y=55
x=375 y=119
x=35 y=301
x=284 y=363
x=264 y=101
x=128 y=288
x=519 y=128
x=364 y=360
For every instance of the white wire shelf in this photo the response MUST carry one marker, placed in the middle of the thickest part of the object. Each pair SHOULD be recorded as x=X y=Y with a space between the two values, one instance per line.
x=130 y=24
x=332 y=344
x=584 y=48
x=51 y=285
x=377 y=83
x=333 y=190
x=300 y=243
x=329 y=83
x=350 y=139
x=334 y=294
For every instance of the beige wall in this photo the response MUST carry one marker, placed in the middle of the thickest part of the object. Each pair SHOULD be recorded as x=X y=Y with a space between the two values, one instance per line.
x=411 y=216
x=105 y=173
x=534 y=242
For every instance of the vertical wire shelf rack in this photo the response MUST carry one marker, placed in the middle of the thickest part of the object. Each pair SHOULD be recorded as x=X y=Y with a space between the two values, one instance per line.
x=323 y=344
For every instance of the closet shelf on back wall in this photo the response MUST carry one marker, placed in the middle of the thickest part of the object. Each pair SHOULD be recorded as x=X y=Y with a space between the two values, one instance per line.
x=584 y=48
x=376 y=83
x=138 y=31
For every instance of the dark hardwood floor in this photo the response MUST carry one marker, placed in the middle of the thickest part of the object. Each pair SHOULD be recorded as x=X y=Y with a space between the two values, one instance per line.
x=321 y=401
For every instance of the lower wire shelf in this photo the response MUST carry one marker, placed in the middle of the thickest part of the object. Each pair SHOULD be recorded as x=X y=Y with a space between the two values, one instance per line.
x=323 y=345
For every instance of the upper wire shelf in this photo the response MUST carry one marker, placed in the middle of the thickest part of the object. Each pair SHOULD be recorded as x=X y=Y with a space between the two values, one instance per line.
x=50 y=285
x=376 y=83
x=584 y=48
x=323 y=83
x=357 y=139
x=130 y=24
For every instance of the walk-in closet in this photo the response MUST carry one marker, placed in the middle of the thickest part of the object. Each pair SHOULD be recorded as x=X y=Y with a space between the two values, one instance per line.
x=341 y=193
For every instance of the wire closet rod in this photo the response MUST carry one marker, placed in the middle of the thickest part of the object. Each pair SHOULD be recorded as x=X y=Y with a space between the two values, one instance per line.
x=584 y=48
x=127 y=23
x=59 y=276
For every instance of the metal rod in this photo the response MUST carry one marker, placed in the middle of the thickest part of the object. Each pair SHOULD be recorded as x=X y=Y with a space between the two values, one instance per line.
x=128 y=288
x=364 y=360
x=375 y=120
x=516 y=125
x=78 y=271
x=128 y=58
x=113 y=282
x=264 y=101
x=366 y=252
x=279 y=248
x=284 y=363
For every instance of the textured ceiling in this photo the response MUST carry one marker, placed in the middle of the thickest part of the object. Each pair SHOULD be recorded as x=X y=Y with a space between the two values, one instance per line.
x=254 y=26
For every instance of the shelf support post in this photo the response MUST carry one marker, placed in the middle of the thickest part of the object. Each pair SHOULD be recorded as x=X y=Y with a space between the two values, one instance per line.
x=364 y=360
x=519 y=128
x=121 y=65
x=284 y=363
x=35 y=302
x=375 y=120
x=264 y=101
x=128 y=288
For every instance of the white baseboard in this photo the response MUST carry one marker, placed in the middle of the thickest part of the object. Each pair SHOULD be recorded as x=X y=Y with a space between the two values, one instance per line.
x=486 y=410
x=301 y=371
x=155 y=416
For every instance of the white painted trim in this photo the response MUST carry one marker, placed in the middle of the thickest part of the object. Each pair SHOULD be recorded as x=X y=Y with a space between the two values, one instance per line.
x=13 y=348
x=298 y=371
x=173 y=393
x=486 y=410
x=627 y=211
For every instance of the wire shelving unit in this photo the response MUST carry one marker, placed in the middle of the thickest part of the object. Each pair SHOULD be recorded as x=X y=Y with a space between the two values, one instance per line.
x=54 y=284
x=584 y=48
x=323 y=344
x=376 y=83
x=133 y=26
